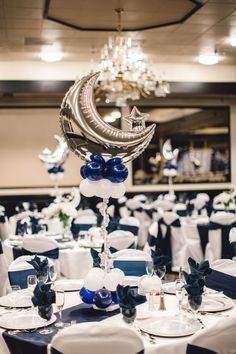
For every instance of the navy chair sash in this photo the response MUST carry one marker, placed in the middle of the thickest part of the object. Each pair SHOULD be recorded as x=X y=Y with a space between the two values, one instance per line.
x=203 y=230
x=193 y=349
x=131 y=268
x=164 y=243
x=222 y=282
x=2 y=219
x=1 y=250
x=181 y=212
x=18 y=252
x=225 y=244
x=20 y=277
x=131 y=228
x=233 y=248
x=113 y=249
x=55 y=351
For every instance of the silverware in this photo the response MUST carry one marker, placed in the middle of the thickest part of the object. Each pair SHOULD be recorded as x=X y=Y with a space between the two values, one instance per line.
x=149 y=337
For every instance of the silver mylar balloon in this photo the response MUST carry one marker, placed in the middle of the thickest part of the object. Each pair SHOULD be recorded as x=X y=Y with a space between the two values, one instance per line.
x=87 y=133
x=57 y=157
x=168 y=153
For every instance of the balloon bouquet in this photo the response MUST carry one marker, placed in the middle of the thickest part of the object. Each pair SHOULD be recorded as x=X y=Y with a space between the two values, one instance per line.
x=104 y=149
x=53 y=161
x=170 y=167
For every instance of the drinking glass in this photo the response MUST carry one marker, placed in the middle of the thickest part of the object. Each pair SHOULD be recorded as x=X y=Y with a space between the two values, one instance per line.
x=52 y=274
x=194 y=302
x=60 y=301
x=14 y=295
x=31 y=283
x=179 y=293
x=149 y=268
x=160 y=271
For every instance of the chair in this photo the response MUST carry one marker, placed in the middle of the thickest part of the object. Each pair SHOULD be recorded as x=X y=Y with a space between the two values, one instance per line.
x=130 y=223
x=120 y=240
x=97 y=337
x=180 y=209
x=123 y=210
x=4 y=229
x=3 y=272
x=83 y=223
x=131 y=262
x=218 y=339
x=219 y=228
x=223 y=277
x=232 y=240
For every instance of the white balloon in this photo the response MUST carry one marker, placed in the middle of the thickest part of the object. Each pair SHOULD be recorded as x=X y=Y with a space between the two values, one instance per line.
x=118 y=274
x=88 y=188
x=93 y=282
x=118 y=190
x=97 y=272
x=104 y=188
x=110 y=282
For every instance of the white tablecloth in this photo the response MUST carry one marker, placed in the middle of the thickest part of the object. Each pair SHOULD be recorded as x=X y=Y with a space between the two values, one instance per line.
x=162 y=345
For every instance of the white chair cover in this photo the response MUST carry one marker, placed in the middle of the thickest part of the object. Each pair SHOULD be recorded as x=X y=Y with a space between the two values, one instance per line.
x=123 y=210
x=232 y=240
x=219 y=338
x=130 y=221
x=99 y=338
x=164 y=205
x=192 y=240
x=120 y=240
x=215 y=246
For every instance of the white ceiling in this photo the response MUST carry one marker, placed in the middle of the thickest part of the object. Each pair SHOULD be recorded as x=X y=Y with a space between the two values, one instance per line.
x=21 y=23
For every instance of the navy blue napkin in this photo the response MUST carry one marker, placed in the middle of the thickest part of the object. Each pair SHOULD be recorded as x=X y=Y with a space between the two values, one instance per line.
x=41 y=267
x=200 y=269
x=43 y=294
x=159 y=259
x=128 y=297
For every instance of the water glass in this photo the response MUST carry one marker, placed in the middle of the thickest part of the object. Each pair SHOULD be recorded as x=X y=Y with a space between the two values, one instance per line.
x=160 y=271
x=31 y=283
x=52 y=273
x=149 y=268
x=60 y=301
x=14 y=295
x=179 y=292
x=195 y=302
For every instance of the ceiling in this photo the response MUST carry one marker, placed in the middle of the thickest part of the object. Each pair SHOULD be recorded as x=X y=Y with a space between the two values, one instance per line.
x=24 y=33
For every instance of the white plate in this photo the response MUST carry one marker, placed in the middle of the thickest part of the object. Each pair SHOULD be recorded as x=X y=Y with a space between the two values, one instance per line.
x=24 y=321
x=214 y=303
x=165 y=326
x=70 y=284
x=20 y=300
x=169 y=288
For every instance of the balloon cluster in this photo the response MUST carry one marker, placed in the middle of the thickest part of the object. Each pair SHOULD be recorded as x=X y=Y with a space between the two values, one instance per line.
x=100 y=288
x=170 y=169
x=102 y=178
x=56 y=172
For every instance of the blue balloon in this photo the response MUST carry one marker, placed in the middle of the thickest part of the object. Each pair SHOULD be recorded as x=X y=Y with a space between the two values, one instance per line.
x=83 y=171
x=98 y=159
x=114 y=161
x=114 y=297
x=117 y=173
x=95 y=171
x=87 y=295
x=102 y=298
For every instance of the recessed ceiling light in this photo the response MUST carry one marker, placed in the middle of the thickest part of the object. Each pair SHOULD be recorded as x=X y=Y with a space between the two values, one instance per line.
x=51 y=57
x=208 y=59
x=232 y=41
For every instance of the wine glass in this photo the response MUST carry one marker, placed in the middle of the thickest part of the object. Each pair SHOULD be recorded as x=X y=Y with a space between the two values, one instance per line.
x=179 y=293
x=160 y=271
x=14 y=294
x=31 y=283
x=149 y=268
x=194 y=302
x=52 y=273
x=60 y=301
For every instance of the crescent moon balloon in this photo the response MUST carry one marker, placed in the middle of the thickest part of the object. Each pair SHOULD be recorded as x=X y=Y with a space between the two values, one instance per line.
x=168 y=153
x=58 y=157
x=87 y=133
x=75 y=198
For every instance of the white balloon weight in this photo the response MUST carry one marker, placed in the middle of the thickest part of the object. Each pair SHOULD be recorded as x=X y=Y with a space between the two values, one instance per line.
x=110 y=282
x=88 y=188
x=104 y=188
x=150 y=284
x=118 y=190
x=118 y=274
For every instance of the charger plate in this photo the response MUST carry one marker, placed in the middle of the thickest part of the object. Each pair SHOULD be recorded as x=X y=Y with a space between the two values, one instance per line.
x=24 y=321
x=169 y=326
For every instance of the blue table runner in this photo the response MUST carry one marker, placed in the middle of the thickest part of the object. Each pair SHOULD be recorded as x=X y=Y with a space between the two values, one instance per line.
x=36 y=343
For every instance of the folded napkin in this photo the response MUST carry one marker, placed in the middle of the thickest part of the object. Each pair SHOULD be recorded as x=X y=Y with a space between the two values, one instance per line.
x=159 y=259
x=194 y=285
x=128 y=297
x=41 y=267
x=199 y=269
x=43 y=294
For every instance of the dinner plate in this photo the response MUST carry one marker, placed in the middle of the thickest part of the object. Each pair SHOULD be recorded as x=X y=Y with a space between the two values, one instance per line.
x=24 y=321
x=166 y=326
x=214 y=303
x=169 y=288
x=21 y=299
x=70 y=284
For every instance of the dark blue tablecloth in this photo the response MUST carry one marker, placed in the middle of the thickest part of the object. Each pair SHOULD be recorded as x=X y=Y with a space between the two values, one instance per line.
x=36 y=343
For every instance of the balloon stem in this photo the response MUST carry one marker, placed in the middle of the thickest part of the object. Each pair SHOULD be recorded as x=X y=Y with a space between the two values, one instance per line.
x=106 y=252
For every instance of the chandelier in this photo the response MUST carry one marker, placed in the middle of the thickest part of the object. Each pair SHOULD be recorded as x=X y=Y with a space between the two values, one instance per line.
x=125 y=71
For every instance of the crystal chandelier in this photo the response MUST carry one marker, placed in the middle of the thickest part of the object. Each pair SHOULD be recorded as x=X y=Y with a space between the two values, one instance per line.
x=125 y=72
